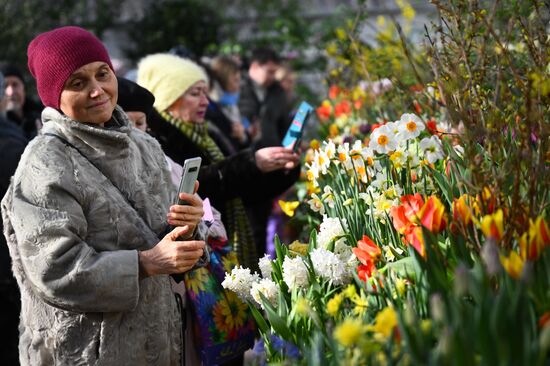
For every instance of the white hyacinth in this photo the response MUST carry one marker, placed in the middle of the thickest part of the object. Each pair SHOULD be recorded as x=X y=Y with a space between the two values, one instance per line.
x=327 y=265
x=330 y=229
x=268 y=289
x=240 y=280
x=265 y=266
x=295 y=273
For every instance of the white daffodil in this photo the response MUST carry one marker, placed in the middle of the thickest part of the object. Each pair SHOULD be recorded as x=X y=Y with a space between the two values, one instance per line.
x=329 y=148
x=344 y=156
x=322 y=161
x=409 y=127
x=399 y=158
x=316 y=204
x=383 y=140
x=393 y=127
x=432 y=148
x=328 y=196
x=312 y=173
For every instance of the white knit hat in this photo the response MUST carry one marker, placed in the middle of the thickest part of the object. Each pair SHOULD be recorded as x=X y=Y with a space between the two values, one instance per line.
x=168 y=77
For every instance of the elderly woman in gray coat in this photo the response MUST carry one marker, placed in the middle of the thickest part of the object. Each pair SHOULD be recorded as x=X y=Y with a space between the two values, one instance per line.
x=86 y=218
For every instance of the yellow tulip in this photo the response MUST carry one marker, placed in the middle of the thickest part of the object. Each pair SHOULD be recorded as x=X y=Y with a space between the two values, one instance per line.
x=533 y=242
x=513 y=264
x=461 y=210
x=492 y=225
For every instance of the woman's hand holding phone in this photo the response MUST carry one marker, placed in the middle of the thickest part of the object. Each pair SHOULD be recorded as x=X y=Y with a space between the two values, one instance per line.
x=171 y=255
x=189 y=214
x=273 y=158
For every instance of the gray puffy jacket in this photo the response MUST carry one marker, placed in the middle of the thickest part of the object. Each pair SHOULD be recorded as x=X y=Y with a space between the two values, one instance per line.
x=73 y=239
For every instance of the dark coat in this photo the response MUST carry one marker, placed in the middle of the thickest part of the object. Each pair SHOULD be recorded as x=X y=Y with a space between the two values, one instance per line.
x=31 y=118
x=235 y=176
x=273 y=112
x=12 y=145
x=215 y=115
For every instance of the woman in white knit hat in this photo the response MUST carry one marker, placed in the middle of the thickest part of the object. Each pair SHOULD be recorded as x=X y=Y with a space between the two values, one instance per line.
x=180 y=88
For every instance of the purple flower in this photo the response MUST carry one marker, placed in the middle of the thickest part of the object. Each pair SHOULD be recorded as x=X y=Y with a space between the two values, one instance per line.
x=285 y=348
x=364 y=128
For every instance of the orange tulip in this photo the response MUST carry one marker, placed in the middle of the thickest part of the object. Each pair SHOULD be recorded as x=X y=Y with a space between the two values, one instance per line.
x=366 y=250
x=333 y=92
x=432 y=215
x=399 y=219
x=342 y=108
x=368 y=254
x=544 y=320
x=324 y=111
x=414 y=237
x=412 y=205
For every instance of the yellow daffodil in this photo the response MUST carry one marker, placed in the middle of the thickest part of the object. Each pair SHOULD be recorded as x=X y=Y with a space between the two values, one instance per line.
x=289 y=207
x=341 y=34
x=302 y=306
x=513 y=264
x=360 y=303
x=333 y=130
x=333 y=305
x=400 y=286
x=350 y=291
x=314 y=144
x=297 y=247
x=385 y=322
x=349 y=332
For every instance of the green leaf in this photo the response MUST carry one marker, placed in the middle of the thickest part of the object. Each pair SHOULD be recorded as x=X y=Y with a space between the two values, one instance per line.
x=260 y=321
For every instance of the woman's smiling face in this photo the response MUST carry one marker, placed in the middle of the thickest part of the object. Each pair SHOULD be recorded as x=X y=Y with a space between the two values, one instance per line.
x=90 y=94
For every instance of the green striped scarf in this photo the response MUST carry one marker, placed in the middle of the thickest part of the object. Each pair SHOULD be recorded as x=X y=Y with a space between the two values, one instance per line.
x=239 y=232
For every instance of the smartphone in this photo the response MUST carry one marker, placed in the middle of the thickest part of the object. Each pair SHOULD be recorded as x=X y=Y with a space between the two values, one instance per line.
x=294 y=133
x=190 y=173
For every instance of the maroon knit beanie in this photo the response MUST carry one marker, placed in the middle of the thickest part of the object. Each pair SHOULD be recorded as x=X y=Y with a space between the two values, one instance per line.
x=55 y=55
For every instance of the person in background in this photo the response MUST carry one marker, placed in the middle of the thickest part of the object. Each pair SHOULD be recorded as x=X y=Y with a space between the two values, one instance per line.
x=136 y=101
x=180 y=88
x=223 y=109
x=262 y=100
x=12 y=145
x=88 y=220
x=287 y=79
x=21 y=109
